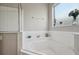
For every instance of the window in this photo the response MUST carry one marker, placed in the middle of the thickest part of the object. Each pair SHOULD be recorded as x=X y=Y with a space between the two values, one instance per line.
x=62 y=14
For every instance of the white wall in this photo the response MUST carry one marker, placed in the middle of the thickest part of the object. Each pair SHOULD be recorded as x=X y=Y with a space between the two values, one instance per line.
x=35 y=17
x=8 y=19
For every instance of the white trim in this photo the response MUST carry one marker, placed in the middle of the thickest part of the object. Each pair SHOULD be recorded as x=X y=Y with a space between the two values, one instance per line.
x=29 y=52
x=20 y=18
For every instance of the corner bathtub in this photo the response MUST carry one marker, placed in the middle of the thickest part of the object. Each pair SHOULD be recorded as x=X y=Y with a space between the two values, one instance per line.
x=49 y=45
x=47 y=48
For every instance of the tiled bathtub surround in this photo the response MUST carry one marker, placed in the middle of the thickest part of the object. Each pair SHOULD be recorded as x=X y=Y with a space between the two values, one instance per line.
x=57 y=43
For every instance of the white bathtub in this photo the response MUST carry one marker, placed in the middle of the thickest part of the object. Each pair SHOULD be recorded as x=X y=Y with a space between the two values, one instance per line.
x=49 y=45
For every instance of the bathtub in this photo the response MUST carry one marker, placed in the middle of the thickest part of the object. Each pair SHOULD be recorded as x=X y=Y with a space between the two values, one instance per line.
x=48 y=45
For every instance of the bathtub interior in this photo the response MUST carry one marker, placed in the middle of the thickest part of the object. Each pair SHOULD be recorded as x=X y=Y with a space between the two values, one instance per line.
x=51 y=45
